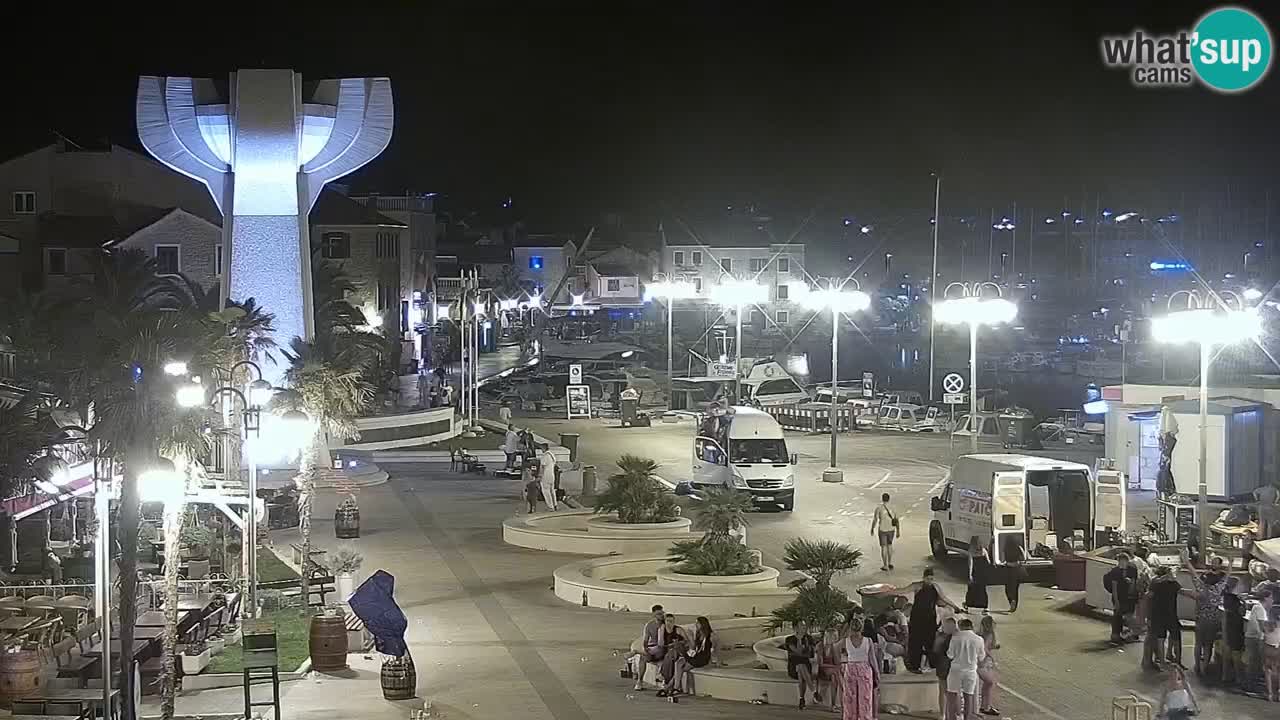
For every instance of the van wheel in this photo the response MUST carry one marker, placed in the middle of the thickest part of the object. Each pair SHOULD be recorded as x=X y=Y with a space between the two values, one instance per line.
x=936 y=542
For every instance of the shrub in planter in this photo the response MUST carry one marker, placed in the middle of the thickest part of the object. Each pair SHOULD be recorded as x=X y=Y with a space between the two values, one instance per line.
x=636 y=495
x=713 y=555
x=817 y=604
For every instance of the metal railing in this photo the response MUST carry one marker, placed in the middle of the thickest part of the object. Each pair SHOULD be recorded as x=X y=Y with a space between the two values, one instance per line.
x=811 y=417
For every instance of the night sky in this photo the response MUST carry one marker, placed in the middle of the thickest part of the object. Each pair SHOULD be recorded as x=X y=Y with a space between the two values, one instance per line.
x=575 y=108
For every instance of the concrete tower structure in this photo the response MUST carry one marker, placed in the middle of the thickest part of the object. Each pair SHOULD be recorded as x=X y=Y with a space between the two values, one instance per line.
x=265 y=152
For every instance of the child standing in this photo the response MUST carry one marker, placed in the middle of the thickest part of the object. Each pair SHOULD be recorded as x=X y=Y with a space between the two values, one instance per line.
x=531 y=490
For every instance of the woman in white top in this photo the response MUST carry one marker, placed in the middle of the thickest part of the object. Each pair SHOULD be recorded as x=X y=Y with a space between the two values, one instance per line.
x=861 y=673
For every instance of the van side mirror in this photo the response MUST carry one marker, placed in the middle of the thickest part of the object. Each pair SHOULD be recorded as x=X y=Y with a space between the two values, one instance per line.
x=937 y=504
x=795 y=459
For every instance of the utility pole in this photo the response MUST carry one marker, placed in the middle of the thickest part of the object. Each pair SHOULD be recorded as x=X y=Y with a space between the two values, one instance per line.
x=933 y=276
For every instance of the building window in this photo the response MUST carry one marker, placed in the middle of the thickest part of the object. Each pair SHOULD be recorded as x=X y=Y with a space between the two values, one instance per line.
x=697 y=258
x=55 y=261
x=757 y=264
x=535 y=262
x=24 y=203
x=217 y=261
x=8 y=365
x=726 y=264
x=697 y=285
x=387 y=245
x=783 y=317
x=757 y=317
x=388 y=295
x=784 y=292
x=335 y=246
x=784 y=265
x=613 y=285
x=678 y=258
x=168 y=260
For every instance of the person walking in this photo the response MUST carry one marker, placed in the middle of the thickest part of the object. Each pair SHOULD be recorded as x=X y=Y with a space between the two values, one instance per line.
x=861 y=674
x=547 y=474
x=975 y=596
x=1015 y=571
x=884 y=525
x=965 y=651
x=922 y=627
x=1233 y=669
x=988 y=677
x=504 y=413
x=511 y=445
x=1121 y=581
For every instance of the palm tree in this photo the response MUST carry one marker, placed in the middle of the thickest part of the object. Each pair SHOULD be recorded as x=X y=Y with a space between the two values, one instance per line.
x=635 y=494
x=819 y=605
x=22 y=437
x=722 y=511
x=821 y=560
x=332 y=393
x=717 y=552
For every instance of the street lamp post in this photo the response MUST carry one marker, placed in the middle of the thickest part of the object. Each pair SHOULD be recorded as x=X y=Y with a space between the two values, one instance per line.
x=838 y=300
x=101 y=550
x=974 y=310
x=737 y=293
x=670 y=291
x=1208 y=327
x=259 y=394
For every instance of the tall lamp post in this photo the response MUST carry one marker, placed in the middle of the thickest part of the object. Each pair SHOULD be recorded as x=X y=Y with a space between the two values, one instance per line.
x=971 y=309
x=101 y=546
x=838 y=300
x=259 y=394
x=1207 y=326
x=737 y=293
x=669 y=291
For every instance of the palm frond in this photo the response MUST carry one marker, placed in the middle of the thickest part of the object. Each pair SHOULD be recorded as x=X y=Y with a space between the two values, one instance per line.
x=820 y=559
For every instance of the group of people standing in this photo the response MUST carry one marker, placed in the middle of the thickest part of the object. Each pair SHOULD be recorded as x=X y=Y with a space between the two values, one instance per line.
x=1237 y=631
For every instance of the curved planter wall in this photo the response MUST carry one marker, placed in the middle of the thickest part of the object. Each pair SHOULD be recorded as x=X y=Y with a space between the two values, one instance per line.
x=770 y=652
x=767 y=577
x=616 y=582
x=582 y=532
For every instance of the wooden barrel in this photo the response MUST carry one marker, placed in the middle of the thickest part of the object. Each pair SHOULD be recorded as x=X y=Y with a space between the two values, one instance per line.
x=328 y=643
x=346 y=521
x=399 y=678
x=19 y=676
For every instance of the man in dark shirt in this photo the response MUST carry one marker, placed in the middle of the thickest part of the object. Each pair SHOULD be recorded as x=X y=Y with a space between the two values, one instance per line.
x=1121 y=581
x=1162 y=621
x=1233 y=671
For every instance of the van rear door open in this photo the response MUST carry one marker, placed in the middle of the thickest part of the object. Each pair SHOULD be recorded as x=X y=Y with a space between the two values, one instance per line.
x=1008 y=513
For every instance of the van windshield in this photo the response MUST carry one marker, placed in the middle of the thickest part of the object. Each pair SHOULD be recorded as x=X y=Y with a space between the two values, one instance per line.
x=759 y=451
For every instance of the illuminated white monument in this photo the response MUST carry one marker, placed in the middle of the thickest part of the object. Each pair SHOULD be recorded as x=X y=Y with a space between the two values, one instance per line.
x=265 y=153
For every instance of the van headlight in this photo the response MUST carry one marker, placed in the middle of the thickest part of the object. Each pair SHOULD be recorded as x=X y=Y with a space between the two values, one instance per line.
x=789 y=481
x=739 y=481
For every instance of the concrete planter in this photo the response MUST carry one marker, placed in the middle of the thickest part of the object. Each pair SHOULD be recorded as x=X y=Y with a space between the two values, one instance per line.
x=630 y=582
x=770 y=652
x=195 y=664
x=582 y=532
x=216 y=645
x=767 y=577
x=345 y=584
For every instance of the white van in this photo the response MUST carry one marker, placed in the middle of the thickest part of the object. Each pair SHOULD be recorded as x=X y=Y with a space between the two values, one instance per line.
x=1033 y=502
x=749 y=455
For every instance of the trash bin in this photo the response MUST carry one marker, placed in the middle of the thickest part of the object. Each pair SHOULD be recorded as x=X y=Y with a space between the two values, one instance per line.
x=1069 y=572
x=570 y=477
x=588 y=480
x=1020 y=432
x=569 y=441
x=629 y=407
x=877 y=598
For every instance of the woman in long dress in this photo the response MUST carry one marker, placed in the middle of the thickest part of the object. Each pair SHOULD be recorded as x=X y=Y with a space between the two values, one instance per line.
x=861 y=674
x=975 y=597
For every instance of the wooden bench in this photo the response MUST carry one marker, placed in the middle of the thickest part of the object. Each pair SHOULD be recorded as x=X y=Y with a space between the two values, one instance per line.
x=71 y=666
x=320 y=583
x=316 y=553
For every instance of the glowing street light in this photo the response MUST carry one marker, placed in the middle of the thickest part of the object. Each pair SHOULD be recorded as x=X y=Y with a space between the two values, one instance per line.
x=175 y=368
x=1252 y=294
x=190 y=395
x=838 y=300
x=974 y=310
x=670 y=291
x=735 y=293
x=1208 y=327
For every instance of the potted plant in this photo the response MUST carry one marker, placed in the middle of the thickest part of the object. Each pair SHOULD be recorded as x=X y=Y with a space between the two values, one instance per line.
x=817 y=604
x=346 y=563
x=635 y=495
x=195 y=657
x=722 y=518
x=196 y=541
